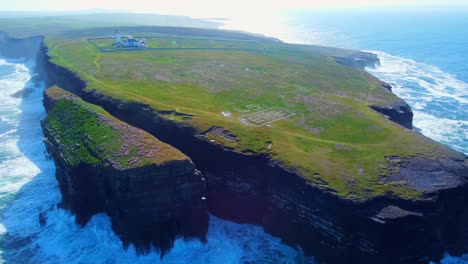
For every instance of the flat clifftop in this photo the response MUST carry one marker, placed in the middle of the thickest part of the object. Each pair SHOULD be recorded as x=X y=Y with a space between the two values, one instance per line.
x=294 y=104
x=87 y=133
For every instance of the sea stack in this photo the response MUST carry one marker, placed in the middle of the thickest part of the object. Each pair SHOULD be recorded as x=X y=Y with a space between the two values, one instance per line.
x=151 y=191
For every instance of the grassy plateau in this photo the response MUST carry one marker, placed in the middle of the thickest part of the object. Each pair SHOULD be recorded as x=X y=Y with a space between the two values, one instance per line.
x=330 y=134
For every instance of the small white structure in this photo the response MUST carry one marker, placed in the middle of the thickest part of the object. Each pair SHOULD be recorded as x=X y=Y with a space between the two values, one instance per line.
x=127 y=41
x=226 y=114
x=117 y=36
x=143 y=42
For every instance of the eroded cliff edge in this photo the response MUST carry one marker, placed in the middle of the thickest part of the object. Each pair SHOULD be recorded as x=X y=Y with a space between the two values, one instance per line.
x=252 y=188
x=151 y=191
x=399 y=112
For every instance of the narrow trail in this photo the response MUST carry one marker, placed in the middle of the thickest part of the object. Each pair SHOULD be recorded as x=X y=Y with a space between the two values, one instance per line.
x=96 y=59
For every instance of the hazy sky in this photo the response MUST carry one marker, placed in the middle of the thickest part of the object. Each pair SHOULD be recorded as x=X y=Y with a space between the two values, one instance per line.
x=213 y=7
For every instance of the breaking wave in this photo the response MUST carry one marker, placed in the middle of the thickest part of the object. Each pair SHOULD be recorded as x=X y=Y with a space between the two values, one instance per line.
x=438 y=99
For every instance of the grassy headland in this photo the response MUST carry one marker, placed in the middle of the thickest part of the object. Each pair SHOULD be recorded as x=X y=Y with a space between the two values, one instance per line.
x=332 y=137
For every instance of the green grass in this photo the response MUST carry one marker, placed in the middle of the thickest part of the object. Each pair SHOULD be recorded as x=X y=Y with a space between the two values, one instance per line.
x=88 y=134
x=333 y=132
x=330 y=102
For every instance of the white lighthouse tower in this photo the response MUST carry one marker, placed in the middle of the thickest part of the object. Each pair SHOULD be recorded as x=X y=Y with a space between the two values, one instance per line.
x=117 y=36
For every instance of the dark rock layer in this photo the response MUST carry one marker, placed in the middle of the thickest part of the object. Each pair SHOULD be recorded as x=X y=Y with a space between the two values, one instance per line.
x=359 y=60
x=400 y=112
x=148 y=205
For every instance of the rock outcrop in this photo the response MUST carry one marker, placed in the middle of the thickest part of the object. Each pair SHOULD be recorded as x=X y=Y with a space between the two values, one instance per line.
x=399 y=112
x=151 y=191
x=359 y=60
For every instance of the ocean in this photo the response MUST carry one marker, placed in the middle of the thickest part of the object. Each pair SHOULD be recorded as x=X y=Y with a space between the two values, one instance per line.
x=421 y=54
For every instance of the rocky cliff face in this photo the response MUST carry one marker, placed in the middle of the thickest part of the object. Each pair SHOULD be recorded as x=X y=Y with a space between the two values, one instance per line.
x=399 y=112
x=26 y=48
x=151 y=197
x=359 y=60
x=250 y=188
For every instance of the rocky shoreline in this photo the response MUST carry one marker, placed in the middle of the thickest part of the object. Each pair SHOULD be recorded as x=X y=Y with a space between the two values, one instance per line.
x=250 y=188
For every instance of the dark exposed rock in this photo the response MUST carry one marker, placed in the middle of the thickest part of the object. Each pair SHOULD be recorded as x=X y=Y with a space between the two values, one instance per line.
x=23 y=93
x=226 y=134
x=149 y=205
x=359 y=60
x=427 y=175
x=400 y=113
x=387 y=86
x=393 y=212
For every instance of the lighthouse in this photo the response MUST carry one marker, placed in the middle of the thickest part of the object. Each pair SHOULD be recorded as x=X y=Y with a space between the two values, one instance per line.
x=117 y=36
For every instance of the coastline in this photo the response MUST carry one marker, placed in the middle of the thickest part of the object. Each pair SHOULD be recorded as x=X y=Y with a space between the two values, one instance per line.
x=110 y=104
x=183 y=139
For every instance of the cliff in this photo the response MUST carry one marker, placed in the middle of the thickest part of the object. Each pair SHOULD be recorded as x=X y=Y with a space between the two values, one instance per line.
x=399 y=112
x=151 y=191
x=359 y=60
x=26 y=48
x=254 y=188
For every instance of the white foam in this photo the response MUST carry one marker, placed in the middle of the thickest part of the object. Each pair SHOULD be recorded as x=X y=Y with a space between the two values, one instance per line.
x=436 y=82
x=423 y=85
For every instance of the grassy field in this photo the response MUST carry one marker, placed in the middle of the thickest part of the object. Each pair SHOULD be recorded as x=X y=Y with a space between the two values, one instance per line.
x=330 y=135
